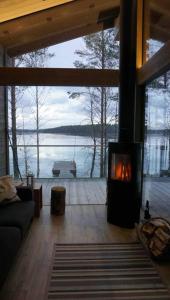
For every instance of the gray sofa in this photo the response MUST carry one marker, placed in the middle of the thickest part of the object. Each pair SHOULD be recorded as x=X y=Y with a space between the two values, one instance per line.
x=15 y=219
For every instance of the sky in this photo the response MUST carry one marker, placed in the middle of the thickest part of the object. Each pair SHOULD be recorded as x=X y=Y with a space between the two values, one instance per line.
x=56 y=109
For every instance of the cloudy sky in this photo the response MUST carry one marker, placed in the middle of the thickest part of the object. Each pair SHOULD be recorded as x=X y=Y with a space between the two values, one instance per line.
x=56 y=109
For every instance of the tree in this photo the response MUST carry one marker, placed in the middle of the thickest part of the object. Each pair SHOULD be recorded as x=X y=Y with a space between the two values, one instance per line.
x=15 y=93
x=99 y=53
x=34 y=59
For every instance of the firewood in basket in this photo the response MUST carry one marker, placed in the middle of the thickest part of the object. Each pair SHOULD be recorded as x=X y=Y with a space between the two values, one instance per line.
x=148 y=229
x=156 y=252
x=157 y=243
x=162 y=235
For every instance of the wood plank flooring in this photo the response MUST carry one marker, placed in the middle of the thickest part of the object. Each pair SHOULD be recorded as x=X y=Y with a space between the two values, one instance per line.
x=78 y=191
x=158 y=193
x=82 y=223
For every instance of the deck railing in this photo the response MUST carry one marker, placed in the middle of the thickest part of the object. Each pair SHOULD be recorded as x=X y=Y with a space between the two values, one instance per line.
x=156 y=160
x=82 y=155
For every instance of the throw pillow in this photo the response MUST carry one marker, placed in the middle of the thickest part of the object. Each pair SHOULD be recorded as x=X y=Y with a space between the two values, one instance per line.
x=8 y=193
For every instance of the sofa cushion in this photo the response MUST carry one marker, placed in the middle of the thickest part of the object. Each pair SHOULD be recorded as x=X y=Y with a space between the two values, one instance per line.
x=17 y=214
x=10 y=239
x=8 y=191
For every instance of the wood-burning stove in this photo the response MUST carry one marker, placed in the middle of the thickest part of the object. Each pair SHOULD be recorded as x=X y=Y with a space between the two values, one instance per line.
x=124 y=184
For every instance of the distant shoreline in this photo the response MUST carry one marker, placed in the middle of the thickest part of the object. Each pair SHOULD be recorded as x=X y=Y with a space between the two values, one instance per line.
x=87 y=130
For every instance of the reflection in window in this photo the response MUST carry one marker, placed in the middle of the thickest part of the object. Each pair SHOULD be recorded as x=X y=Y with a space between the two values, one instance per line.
x=157 y=25
x=157 y=142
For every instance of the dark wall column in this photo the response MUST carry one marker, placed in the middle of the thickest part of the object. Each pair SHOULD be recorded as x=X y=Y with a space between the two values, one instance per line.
x=3 y=124
x=128 y=24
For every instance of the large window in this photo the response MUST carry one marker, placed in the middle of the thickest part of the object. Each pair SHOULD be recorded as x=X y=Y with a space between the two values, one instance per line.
x=157 y=146
x=55 y=124
x=62 y=125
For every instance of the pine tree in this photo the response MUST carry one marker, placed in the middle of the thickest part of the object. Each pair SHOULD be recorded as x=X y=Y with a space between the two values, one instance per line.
x=99 y=53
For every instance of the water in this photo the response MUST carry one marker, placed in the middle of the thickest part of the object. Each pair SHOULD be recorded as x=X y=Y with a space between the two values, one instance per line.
x=53 y=147
x=156 y=155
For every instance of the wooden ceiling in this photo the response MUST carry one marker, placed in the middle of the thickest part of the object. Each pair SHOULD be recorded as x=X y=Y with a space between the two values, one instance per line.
x=27 y=25
x=11 y=9
x=57 y=24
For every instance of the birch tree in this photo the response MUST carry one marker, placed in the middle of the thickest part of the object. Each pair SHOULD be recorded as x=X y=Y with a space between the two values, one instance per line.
x=34 y=59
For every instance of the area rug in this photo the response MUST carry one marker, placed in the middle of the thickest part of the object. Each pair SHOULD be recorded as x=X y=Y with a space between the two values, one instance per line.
x=104 y=271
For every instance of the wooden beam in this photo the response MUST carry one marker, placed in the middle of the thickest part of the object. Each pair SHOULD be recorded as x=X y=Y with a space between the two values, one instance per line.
x=58 y=77
x=162 y=7
x=156 y=66
x=139 y=44
x=146 y=29
x=53 y=39
x=159 y=33
x=53 y=19
x=11 y=9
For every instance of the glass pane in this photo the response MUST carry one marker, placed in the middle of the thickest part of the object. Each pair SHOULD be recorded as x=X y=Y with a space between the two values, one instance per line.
x=157 y=146
x=121 y=167
x=58 y=124
x=98 y=50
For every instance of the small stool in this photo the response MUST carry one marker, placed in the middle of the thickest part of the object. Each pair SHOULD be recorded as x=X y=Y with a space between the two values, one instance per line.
x=58 y=200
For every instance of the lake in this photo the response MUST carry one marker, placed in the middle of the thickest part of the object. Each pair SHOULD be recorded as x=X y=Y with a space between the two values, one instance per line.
x=57 y=147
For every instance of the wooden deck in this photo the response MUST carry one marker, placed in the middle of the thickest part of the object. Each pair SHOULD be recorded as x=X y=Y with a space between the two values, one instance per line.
x=84 y=222
x=64 y=169
x=78 y=191
x=93 y=191
x=157 y=191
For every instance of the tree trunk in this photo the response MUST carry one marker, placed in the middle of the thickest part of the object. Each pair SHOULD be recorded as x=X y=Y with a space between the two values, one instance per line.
x=102 y=134
x=105 y=133
x=25 y=151
x=93 y=137
x=37 y=132
x=102 y=114
x=14 y=131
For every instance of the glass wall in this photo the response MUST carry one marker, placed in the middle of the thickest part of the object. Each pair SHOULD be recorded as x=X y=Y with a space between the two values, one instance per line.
x=157 y=25
x=63 y=125
x=98 y=50
x=156 y=170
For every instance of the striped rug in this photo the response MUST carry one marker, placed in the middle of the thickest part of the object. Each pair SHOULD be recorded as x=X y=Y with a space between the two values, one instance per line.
x=104 y=271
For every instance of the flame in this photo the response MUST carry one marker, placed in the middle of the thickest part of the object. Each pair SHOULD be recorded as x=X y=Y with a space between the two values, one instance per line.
x=122 y=171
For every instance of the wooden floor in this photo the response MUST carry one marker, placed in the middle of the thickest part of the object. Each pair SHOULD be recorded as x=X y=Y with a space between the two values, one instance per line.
x=157 y=191
x=78 y=191
x=82 y=223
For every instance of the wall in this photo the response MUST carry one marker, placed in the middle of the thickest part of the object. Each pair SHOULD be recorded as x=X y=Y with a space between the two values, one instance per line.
x=3 y=124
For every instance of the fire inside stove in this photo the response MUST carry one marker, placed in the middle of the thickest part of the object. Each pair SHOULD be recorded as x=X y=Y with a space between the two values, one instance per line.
x=121 y=167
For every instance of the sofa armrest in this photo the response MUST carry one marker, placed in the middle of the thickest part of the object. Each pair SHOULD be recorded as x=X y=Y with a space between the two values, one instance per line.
x=25 y=193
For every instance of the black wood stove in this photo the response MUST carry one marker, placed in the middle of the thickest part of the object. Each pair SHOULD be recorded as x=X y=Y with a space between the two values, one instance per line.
x=124 y=166
x=124 y=184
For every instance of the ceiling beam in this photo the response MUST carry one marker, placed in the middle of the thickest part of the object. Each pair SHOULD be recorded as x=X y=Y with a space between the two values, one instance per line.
x=56 y=15
x=54 y=25
x=160 y=7
x=160 y=34
x=155 y=66
x=58 y=77
x=53 y=39
x=11 y=9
